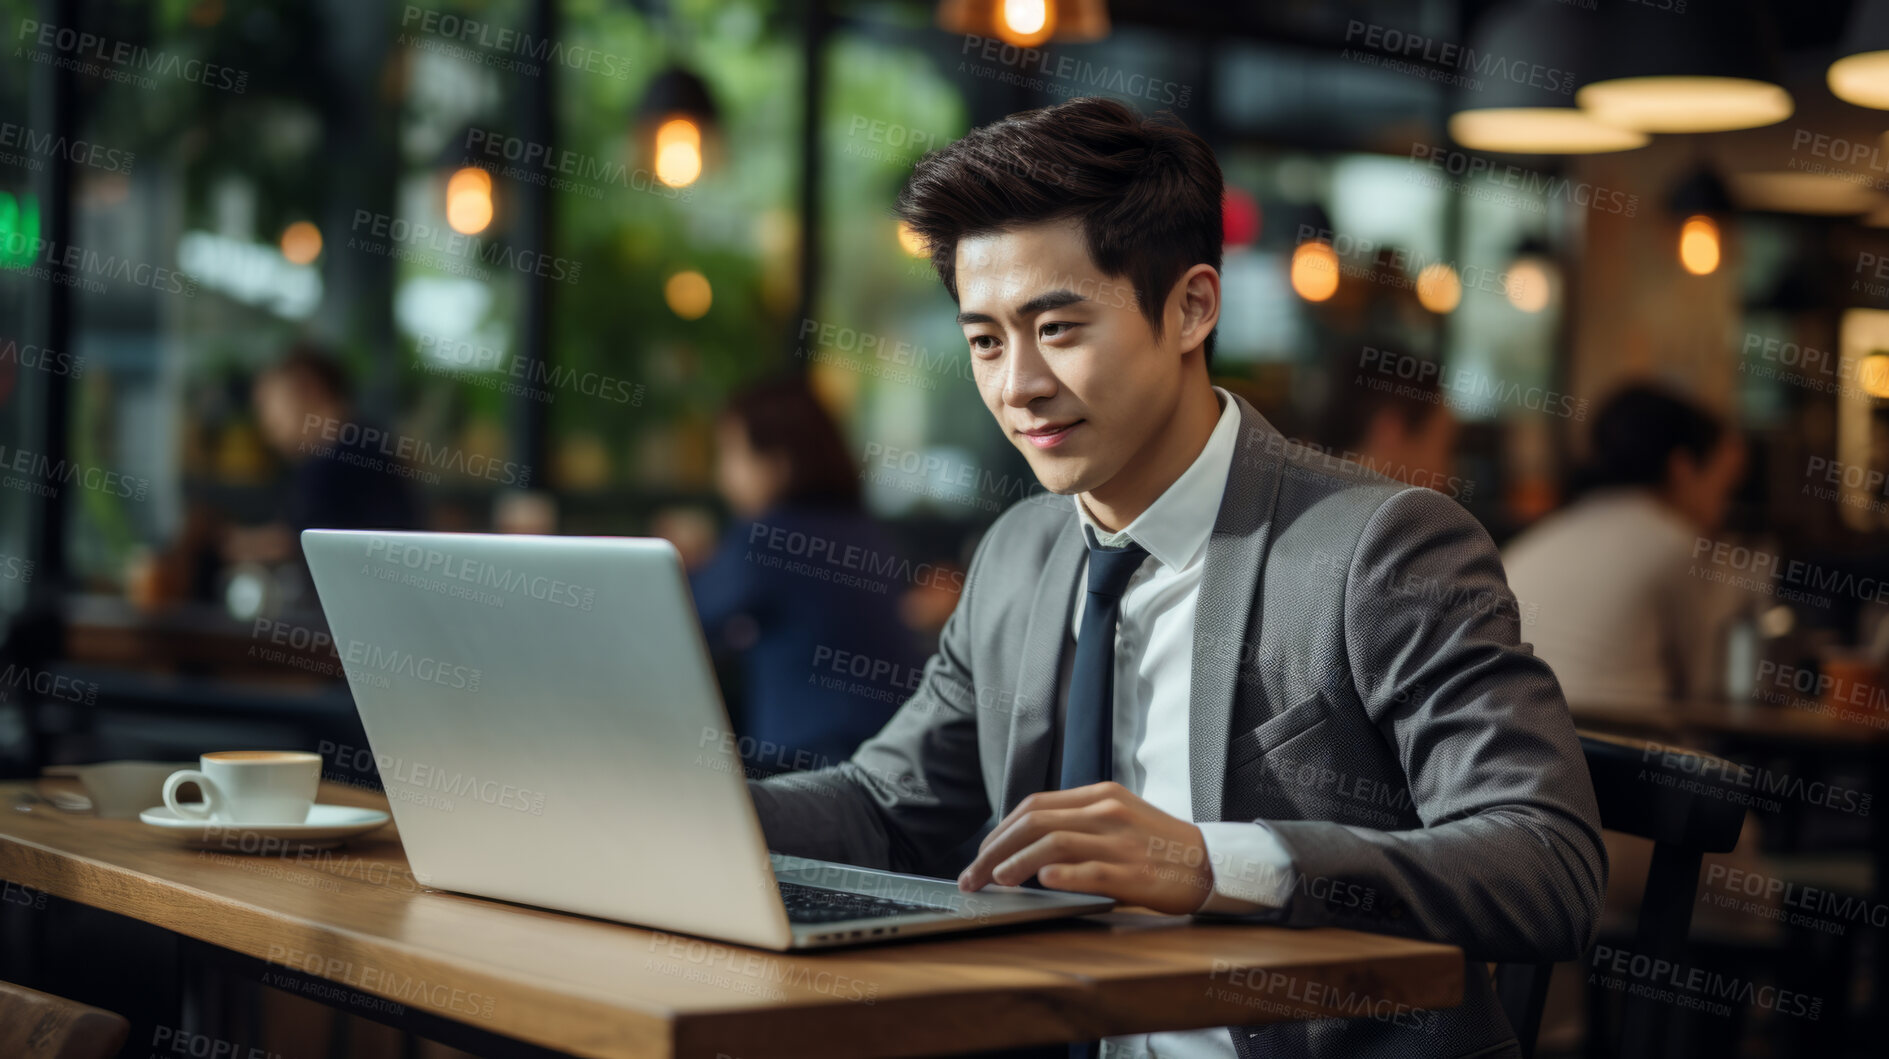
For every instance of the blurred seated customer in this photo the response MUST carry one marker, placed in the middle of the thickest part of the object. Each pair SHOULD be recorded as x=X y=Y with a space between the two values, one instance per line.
x=1399 y=428
x=338 y=479
x=804 y=586
x=1605 y=585
x=1609 y=602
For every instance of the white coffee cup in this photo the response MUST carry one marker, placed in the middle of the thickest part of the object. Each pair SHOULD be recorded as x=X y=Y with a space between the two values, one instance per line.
x=249 y=787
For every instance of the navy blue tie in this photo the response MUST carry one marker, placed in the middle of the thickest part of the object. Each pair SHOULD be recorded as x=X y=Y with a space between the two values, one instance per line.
x=1089 y=718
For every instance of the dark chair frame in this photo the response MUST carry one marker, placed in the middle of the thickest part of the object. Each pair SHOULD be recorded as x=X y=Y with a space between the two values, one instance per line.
x=1687 y=803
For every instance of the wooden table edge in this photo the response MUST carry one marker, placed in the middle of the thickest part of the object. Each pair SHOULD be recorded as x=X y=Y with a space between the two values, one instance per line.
x=48 y=869
x=1068 y=1004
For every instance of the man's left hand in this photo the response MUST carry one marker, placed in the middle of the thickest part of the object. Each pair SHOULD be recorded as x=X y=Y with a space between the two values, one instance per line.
x=1099 y=839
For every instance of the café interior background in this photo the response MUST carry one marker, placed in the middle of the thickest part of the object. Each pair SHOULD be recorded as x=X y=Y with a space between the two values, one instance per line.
x=547 y=239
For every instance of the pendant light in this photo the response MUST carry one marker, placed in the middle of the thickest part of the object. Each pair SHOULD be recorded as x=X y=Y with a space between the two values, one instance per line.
x=467 y=197
x=1527 y=56
x=677 y=125
x=1861 y=75
x=1705 y=71
x=1794 y=191
x=1027 y=23
x=1702 y=206
x=1533 y=275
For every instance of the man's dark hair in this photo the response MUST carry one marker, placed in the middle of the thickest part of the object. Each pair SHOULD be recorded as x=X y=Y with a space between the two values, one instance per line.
x=307 y=364
x=1353 y=404
x=783 y=417
x=1639 y=428
x=1146 y=191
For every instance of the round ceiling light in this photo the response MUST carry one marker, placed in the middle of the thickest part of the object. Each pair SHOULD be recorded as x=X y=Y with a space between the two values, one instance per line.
x=1540 y=130
x=1685 y=104
x=1534 y=114
x=1861 y=76
x=1713 y=70
x=1788 y=191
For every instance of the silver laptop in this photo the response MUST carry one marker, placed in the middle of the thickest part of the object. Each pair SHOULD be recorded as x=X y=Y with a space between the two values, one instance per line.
x=549 y=731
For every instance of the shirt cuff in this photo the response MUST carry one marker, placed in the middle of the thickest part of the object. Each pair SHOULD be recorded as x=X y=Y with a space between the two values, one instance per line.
x=1252 y=871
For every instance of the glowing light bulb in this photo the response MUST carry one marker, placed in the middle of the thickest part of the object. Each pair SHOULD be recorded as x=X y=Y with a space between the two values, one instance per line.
x=1024 y=19
x=469 y=200
x=678 y=152
x=688 y=294
x=1528 y=286
x=1315 y=271
x=1699 y=245
x=301 y=243
x=1438 y=288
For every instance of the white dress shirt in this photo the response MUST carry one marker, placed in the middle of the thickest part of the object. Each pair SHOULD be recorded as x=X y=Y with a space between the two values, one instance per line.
x=1610 y=601
x=1154 y=652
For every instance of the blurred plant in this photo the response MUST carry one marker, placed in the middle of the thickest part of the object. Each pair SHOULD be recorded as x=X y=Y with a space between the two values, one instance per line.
x=725 y=226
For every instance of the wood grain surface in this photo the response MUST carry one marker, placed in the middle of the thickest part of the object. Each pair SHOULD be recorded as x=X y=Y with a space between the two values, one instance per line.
x=355 y=918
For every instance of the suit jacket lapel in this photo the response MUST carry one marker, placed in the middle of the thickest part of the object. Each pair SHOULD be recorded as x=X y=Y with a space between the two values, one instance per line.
x=1033 y=710
x=1236 y=556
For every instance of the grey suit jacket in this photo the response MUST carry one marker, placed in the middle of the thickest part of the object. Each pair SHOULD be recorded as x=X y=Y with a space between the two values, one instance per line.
x=1359 y=685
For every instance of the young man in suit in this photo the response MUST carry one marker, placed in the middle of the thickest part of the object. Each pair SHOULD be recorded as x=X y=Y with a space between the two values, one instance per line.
x=1301 y=677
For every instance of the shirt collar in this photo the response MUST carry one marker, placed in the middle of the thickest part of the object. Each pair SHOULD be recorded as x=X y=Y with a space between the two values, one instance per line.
x=1177 y=524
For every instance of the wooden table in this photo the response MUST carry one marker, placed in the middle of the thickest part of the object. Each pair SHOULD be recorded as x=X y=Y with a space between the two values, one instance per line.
x=351 y=927
x=1736 y=720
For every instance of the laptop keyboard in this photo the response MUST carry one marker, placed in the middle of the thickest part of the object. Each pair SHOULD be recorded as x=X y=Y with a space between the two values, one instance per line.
x=812 y=904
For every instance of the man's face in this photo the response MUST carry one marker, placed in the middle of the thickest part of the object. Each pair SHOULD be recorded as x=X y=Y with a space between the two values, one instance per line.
x=1066 y=363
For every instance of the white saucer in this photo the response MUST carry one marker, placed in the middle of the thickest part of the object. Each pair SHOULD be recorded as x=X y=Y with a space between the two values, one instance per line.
x=327 y=825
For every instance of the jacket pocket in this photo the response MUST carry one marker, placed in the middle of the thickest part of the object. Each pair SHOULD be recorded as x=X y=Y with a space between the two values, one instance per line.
x=1275 y=731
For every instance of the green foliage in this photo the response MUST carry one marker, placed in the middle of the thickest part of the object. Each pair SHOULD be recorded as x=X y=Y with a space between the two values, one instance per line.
x=631 y=241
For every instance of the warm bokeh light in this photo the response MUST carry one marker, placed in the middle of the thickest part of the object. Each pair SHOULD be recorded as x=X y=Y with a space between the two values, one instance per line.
x=678 y=152
x=301 y=243
x=1685 y=104
x=1438 y=288
x=1315 y=271
x=1540 y=130
x=1026 y=22
x=1861 y=79
x=1529 y=285
x=688 y=294
x=469 y=200
x=1873 y=375
x=1698 y=245
x=1795 y=191
x=911 y=242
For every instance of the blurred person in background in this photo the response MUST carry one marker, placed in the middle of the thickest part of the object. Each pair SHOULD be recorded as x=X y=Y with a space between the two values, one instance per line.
x=823 y=663
x=1605 y=584
x=1609 y=601
x=1399 y=428
x=338 y=478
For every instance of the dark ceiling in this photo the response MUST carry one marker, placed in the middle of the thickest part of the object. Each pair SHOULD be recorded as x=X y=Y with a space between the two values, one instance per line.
x=1797 y=25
